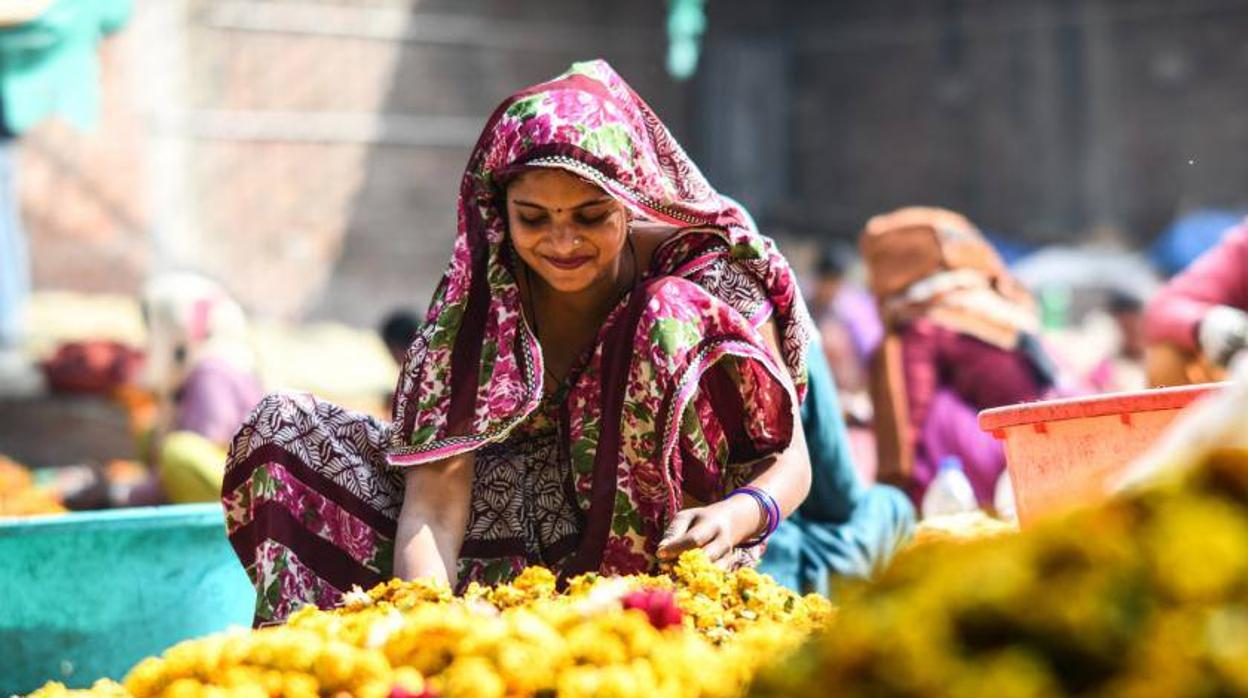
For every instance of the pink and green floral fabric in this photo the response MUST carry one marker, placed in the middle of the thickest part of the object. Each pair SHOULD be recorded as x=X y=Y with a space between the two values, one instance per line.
x=475 y=372
x=673 y=406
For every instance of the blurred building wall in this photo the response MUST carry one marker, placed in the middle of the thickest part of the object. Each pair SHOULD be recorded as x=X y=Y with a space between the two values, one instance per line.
x=305 y=152
x=308 y=152
x=1039 y=118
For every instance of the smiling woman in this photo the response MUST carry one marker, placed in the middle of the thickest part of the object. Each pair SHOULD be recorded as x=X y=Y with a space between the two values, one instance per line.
x=610 y=374
x=573 y=236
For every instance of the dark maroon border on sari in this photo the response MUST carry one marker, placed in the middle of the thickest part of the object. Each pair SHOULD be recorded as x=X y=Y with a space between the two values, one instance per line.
x=466 y=359
x=274 y=522
x=616 y=364
x=340 y=496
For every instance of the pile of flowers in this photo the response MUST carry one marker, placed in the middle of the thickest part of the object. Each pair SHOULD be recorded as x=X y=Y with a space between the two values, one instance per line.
x=697 y=631
x=20 y=496
x=964 y=527
x=1145 y=596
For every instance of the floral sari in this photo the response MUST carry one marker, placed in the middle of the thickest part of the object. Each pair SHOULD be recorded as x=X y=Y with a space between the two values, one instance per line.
x=673 y=406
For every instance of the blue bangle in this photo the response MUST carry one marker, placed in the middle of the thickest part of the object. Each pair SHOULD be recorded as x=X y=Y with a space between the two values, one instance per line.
x=771 y=512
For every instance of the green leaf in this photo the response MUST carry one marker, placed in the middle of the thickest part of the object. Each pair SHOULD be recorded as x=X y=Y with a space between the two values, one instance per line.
x=448 y=322
x=610 y=140
x=640 y=411
x=423 y=434
x=672 y=335
x=525 y=108
x=272 y=595
x=583 y=451
x=489 y=353
x=497 y=572
x=753 y=249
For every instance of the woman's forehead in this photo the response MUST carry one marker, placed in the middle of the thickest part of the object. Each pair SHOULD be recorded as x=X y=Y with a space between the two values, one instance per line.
x=553 y=187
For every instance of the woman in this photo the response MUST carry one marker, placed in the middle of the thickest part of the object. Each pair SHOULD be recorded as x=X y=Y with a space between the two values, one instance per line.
x=202 y=370
x=1198 y=322
x=608 y=376
x=961 y=336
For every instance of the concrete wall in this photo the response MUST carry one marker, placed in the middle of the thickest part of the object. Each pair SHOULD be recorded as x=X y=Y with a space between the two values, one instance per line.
x=308 y=152
x=1039 y=118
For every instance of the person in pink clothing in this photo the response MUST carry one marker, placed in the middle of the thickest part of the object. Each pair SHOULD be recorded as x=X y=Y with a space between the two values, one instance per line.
x=961 y=337
x=201 y=367
x=1198 y=322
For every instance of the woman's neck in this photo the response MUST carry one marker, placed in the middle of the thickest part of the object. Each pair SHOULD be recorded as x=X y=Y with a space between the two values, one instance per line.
x=587 y=305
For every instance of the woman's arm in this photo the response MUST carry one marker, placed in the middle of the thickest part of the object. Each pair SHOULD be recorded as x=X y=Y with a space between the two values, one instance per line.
x=1218 y=277
x=433 y=518
x=722 y=526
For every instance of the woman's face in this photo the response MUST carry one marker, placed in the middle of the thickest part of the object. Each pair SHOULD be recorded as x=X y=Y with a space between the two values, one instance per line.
x=567 y=230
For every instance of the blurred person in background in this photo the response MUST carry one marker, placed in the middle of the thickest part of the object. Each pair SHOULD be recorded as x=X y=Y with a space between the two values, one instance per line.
x=200 y=365
x=961 y=337
x=849 y=331
x=610 y=375
x=1198 y=322
x=849 y=325
x=1123 y=369
x=398 y=330
x=48 y=66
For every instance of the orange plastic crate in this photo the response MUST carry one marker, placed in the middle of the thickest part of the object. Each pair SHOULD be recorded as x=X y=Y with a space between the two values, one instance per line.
x=1063 y=453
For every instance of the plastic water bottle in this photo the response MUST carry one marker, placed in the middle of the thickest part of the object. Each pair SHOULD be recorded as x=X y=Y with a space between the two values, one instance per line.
x=950 y=492
x=1003 y=498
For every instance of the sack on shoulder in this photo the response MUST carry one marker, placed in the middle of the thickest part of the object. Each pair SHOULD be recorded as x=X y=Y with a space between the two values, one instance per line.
x=904 y=246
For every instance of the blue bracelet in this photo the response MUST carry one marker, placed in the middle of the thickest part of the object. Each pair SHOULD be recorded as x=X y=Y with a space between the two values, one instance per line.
x=771 y=511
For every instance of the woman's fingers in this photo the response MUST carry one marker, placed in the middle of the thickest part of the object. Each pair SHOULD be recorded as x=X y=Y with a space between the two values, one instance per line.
x=682 y=534
x=719 y=550
x=698 y=530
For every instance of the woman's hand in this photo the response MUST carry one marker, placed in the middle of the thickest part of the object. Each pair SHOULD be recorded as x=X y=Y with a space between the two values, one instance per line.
x=433 y=518
x=720 y=527
x=717 y=528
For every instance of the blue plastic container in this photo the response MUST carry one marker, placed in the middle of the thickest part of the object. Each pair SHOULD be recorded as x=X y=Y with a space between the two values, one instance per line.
x=87 y=595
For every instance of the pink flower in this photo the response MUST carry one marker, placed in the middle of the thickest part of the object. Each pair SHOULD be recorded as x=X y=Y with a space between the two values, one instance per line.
x=535 y=131
x=400 y=692
x=649 y=490
x=579 y=107
x=567 y=133
x=659 y=606
x=357 y=538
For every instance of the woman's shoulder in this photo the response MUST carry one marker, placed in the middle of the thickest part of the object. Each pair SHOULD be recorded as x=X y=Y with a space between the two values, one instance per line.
x=665 y=251
x=707 y=261
x=678 y=317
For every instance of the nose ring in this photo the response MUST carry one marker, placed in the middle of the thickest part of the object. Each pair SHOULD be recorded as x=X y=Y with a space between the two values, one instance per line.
x=577 y=241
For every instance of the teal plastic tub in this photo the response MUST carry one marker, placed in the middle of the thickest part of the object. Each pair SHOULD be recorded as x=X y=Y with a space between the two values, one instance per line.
x=85 y=596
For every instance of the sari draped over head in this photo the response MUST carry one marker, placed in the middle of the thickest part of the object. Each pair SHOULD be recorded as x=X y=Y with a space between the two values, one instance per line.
x=680 y=386
x=674 y=405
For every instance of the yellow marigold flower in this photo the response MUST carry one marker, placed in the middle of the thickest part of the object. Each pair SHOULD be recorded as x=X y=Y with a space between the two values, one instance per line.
x=471 y=677
x=104 y=688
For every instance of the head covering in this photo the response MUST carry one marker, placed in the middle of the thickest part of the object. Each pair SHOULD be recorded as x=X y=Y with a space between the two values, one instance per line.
x=934 y=262
x=475 y=370
x=191 y=318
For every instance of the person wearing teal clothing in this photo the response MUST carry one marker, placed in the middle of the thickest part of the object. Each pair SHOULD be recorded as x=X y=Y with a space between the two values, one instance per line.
x=845 y=528
x=48 y=66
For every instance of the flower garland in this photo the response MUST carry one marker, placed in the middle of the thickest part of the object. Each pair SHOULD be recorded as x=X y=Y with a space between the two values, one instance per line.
x=697 y=631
